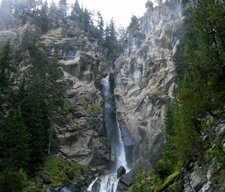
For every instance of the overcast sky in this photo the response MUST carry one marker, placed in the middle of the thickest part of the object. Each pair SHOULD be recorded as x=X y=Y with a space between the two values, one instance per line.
x=120 y=10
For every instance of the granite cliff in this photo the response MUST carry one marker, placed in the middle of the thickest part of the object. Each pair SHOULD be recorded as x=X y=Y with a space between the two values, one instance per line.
x=145 y=77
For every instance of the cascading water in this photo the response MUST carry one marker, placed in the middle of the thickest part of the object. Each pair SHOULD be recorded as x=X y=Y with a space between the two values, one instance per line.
x=110 y=182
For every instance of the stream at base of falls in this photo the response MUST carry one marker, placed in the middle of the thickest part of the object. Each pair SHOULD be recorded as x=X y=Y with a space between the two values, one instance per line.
x=109 y=182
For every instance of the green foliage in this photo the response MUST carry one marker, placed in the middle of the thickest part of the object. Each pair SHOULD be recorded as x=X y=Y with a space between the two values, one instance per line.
x=82 y=16
x=149 y=5
x=12 y=180
x=55 y=169
x=14 y=142
x=134 y=22
x=62 y=8
x=111 y=42
x=92 y=109
x=143 y=181
x=53 y=12
x=199 y=65
x=40 y=98
x=26 y=124
x=6 y=67
x=100 y=24
x=216 y=153
x=41 y=19
x=199 y=93
x=76 y=11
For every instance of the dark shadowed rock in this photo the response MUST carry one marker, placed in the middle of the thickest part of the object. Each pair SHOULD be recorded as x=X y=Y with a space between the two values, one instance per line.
x=127 y=178
x=125 y=181
x=70 y=174
x=121 y=171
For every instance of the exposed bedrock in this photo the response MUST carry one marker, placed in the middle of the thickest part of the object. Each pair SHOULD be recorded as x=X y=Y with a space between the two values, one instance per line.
x=144 y=79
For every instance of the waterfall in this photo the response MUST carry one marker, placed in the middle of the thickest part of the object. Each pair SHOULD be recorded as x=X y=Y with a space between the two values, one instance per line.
x=120 y=151
x=110 y=182
x=91 y=185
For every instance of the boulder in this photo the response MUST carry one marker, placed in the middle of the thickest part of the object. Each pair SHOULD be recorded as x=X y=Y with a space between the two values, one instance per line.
x=121 y=171
x=125 y=181
x=197 y=177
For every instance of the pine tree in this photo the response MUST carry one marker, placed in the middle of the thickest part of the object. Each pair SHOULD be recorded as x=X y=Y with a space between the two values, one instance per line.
x=14 y=142
x=6 y=68
x=111 y=42
x=76 y=11
x=62 y=9
x=53 y=12
x=41 y=19
x=134 y=22
x=100 y=24
x=43 y=99
x=86 y=20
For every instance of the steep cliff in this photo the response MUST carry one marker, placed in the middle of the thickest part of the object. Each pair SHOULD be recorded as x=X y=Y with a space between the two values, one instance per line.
x=80 y=136
x=144 y=80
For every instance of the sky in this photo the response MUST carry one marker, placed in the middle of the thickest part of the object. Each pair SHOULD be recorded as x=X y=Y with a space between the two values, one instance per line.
x=120 y=10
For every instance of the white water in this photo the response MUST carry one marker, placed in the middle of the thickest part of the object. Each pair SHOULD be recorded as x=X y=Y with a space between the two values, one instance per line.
x=120 y=151
x=89 y=189
x=110 y=182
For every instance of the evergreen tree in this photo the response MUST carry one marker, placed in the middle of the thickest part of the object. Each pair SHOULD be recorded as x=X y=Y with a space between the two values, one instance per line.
x=14 y=142
x=200 y=83
x=41 y=19
x=53 y=12
x=43 y=98
x=86 y=20
x=149 y=5
x=100 y=24
x=134 y=22
x=76 y=11
x=6 y=68
x=111 y=42
x=21 y=8
x=62 y=9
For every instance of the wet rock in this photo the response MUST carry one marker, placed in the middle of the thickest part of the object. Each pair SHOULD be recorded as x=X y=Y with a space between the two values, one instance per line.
x=145 y=77
x=125 y=181
x=206 y=188
x=127 y=178
x=198 y=177
x=121 y=171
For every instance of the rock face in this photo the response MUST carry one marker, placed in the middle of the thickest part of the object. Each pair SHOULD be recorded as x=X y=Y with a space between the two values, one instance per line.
x=81 y=137
x=126 y=181
x=145 y=75
x=121 y=171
